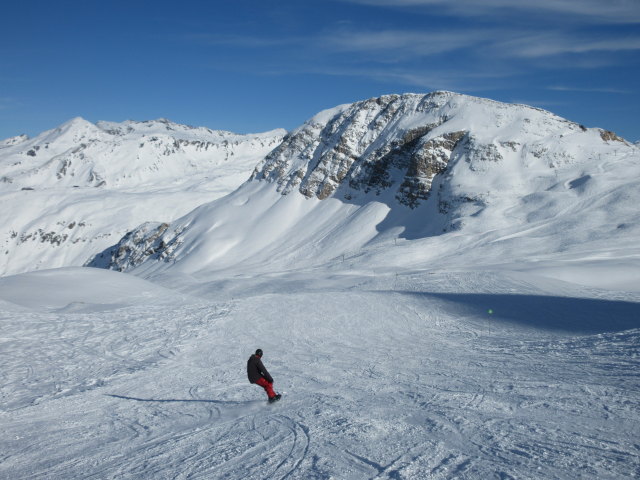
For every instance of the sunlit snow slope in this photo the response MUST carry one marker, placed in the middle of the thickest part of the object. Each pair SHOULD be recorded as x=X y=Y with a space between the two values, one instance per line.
x=72 y=191
x=443 y=286
x=415 y=375
x=428 y=181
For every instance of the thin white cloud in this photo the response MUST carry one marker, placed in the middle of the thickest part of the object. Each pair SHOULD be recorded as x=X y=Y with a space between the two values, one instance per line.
x=560 y=88
x=396 y=45
x=403 y=43
x=436 y=78
x=399 y=42
x=414 y=56
x=592 y=11
x=500 y=43
x=548 y=44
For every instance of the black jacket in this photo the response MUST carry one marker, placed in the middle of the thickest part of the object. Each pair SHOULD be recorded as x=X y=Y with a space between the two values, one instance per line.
x=256 y=370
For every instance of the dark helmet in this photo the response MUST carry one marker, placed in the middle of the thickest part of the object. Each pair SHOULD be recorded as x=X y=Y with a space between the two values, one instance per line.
x=259 y=352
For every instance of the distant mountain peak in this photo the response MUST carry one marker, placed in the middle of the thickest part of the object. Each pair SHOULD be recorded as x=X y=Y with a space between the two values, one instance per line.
x=73 y=190
x=80 y=153
x=415 y=166
x=399 y=142
x=76 y=122
x=14 y=140
x=347 y=181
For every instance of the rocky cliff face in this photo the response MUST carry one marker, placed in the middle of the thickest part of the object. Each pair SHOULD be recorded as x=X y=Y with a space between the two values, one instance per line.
x=368 y=146
x=418 y=164
x=145 y=242
x=401 y=142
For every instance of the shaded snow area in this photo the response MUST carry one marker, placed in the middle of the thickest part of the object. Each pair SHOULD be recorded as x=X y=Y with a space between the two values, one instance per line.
x=414 y=374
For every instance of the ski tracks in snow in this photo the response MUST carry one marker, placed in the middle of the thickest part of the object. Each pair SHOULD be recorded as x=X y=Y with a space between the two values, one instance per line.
x=382 y=384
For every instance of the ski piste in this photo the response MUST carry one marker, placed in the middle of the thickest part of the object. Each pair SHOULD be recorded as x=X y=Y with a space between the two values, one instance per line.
x=409 y=379
x=491 y=331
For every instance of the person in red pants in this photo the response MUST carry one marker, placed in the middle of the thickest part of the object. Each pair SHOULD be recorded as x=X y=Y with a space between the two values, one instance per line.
x=260 y=376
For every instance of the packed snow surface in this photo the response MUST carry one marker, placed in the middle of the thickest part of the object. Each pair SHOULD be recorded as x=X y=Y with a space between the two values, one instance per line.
x=473 y=314
x=415 y=374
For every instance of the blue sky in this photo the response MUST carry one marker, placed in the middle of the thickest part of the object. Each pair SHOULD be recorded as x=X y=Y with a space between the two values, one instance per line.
x=250 y=66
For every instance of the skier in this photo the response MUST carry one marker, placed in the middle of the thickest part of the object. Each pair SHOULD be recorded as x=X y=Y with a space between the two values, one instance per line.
x=260 y=376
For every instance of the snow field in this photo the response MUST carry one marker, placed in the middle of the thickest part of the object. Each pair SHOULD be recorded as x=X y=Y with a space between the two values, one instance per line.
x=506 y=347
x=386 y=376
x=75 y=190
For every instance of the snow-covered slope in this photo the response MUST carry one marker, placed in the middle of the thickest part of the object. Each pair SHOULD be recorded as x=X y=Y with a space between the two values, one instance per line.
x=72 y=191
x=411 y=180
x=420 y=375
x=443 y=286
x=128 y=154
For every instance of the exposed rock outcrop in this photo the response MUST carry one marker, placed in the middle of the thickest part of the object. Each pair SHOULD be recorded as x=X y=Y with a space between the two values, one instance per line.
x=457 y=156
x=397 y=143
x=144 y=242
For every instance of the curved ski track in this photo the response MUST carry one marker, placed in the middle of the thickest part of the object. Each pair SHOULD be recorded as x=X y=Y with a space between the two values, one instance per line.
x=383 y=384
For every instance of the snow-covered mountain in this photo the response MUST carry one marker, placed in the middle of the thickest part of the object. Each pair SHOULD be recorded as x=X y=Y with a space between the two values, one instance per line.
x=443 y=286
x=72 y=191
x=410 y=180
x=129 y=154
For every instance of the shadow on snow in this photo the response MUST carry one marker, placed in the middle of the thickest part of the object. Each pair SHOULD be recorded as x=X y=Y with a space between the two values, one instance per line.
x=182 y=400
x=573 y=315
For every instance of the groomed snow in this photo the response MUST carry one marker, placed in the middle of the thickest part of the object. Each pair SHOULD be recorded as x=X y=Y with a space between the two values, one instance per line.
x=492 y=332
x=415 y=374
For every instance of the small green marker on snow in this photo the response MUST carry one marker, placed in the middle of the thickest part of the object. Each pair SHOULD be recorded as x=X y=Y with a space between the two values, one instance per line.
x=490 y=312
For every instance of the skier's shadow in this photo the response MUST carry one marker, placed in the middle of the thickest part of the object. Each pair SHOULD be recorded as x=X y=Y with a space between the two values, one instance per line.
x=177 y=400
